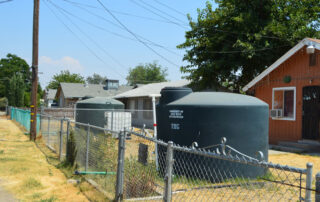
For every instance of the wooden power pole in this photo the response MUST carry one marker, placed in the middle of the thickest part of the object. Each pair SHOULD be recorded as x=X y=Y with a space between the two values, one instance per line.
x=35 y=54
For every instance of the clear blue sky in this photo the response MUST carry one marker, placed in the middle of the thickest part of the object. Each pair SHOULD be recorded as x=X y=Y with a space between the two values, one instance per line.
x=61 y=50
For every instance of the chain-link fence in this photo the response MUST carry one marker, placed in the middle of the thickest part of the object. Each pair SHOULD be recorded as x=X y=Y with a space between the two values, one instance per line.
x=133 y=165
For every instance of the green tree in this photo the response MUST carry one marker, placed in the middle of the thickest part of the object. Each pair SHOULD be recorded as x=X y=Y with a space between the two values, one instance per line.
x=15 y=91
x=10 y=66
x=96 y=79
x=239 y=39
x=65 y=76
x=147 y=73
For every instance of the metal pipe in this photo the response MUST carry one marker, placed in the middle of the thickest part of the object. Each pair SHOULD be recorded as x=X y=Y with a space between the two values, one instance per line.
x=168 y=175
x=309 y=182
x=317 y=187
x=93 y=173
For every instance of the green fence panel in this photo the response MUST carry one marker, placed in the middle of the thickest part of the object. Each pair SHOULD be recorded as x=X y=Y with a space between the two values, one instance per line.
x=23 y=117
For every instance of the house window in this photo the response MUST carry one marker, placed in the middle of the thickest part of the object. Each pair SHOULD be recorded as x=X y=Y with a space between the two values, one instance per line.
x=284 y=99
x=313 y=60
x=147 y=106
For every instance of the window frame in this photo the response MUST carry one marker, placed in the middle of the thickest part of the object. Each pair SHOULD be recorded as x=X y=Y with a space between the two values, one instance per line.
x=294 y=102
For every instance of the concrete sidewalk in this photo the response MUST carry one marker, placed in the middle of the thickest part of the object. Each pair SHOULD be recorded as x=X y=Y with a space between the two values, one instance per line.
x=5 y=196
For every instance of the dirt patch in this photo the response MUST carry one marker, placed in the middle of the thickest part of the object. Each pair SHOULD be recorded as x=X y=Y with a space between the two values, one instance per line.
x=25 y=171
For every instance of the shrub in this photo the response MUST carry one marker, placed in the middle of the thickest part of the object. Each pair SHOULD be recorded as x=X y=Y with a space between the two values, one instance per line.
x=140 y=180
x=71 y=149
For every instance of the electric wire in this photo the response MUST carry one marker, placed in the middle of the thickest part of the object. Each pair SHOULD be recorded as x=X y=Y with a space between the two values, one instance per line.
x=169 y=7
x=155 y=13
x=82 y=42
x=119 y=35
x=163 y=12
x=118 y=12
x=5 y=1
x=133 y=34
x=90 y=38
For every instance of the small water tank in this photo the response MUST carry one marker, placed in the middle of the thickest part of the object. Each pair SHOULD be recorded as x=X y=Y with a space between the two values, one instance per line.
x=93 y=110
x=185 y=117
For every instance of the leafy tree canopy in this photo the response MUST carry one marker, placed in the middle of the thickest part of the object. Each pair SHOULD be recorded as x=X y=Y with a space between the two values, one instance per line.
x=66 y=77
x=147 y=73
x=10 y=66
x=96 y=79
x=239 y=39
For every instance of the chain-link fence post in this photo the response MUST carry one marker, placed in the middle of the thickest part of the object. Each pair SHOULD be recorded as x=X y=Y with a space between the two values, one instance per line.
x=87 y=147
x=48 y=131
x=120 y=168
x=112 y=120
x=168 y=175
x=309 y=182
x=61 y=140
x=318 y=187
x=68 y=133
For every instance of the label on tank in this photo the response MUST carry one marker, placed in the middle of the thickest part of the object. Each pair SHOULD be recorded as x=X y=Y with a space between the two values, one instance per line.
x=176 y=114
x=175 y=126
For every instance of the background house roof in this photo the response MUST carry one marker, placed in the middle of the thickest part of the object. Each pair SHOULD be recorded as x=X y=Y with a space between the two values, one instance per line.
x=79 y=90
x=304 y=42
x=51 y=94
x=153 y=88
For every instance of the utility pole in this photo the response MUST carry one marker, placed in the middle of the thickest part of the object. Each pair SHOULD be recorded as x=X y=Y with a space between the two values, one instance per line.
x=35 y=53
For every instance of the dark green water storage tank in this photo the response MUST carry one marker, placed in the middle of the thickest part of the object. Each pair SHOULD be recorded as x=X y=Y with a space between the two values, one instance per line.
x=93 y=110
x=185 y=117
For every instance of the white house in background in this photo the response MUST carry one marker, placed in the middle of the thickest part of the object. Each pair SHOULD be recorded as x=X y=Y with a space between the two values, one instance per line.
x=69 y=93
x=49 y=97
x=138 y=99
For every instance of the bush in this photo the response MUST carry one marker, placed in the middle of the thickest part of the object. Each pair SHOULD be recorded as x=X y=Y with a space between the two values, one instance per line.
x=140 y=180
x=3 y=103
x=71 y=149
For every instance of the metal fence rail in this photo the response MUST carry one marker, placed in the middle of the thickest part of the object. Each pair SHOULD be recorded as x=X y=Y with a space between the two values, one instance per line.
x=135 y=166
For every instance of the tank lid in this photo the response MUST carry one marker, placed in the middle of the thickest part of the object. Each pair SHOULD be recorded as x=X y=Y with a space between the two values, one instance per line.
x=100 y=100
x=169 y=94
x=219 y=99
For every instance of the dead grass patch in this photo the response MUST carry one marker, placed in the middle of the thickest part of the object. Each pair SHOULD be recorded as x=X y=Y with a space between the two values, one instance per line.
x=25 y=172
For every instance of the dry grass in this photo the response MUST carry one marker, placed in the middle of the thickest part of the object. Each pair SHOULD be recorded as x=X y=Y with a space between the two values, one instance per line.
x=25 y=172
x=296 y=160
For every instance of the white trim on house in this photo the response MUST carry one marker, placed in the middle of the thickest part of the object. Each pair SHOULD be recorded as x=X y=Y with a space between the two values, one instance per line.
x=288 y=54
x=294 y=102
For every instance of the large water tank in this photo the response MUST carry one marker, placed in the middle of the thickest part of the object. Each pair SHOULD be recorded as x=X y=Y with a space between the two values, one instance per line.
x=185 y=117
x=92 y=111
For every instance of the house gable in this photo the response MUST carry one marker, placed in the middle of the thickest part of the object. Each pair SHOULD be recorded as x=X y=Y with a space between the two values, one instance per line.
x=305 y=42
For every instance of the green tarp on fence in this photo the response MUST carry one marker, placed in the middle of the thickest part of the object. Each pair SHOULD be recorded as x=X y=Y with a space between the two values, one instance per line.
x=23 y=117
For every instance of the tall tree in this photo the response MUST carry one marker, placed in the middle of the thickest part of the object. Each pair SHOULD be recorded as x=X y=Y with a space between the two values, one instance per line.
x=239 y=39
x=96 y=79
x=147 y=73
x=15 y=91
x=65 y=76
x=10 y=66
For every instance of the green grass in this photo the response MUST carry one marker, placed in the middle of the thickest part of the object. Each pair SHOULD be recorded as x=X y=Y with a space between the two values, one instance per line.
x=31 y=183
x=51 y=199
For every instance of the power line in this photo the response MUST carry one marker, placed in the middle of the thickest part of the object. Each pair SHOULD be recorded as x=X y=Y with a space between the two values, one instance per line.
x=83 y=43
x=133 y=34
x=93 y=41
x=151 y=11
x=161 y=3
x=165 y=13
x=5 y=1
x=117 y=34
x=114 y=11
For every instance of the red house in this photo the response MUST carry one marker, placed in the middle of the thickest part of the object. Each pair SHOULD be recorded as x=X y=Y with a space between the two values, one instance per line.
x=291 y=87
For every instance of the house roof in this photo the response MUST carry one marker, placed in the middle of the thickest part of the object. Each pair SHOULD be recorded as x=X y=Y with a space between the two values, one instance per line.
x=151 y=89
x=79 y=90
x=51 y=94
x=292 y=51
